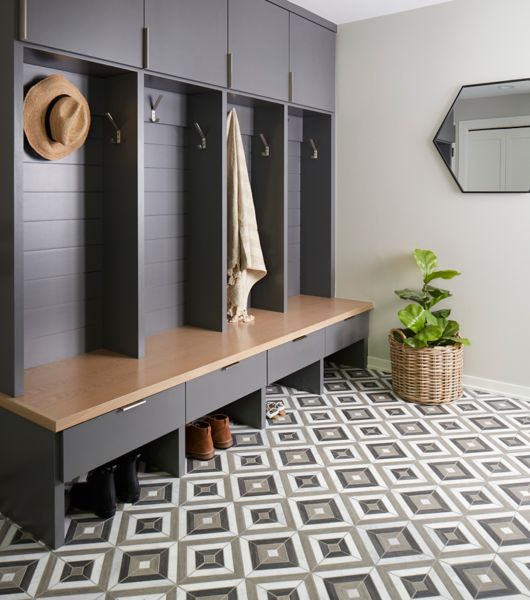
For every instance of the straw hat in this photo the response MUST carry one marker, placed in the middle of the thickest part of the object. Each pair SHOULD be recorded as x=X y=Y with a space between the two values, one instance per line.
x=56 y=117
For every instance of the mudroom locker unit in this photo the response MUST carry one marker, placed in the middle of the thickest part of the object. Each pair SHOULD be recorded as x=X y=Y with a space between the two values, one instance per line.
x=113 y=260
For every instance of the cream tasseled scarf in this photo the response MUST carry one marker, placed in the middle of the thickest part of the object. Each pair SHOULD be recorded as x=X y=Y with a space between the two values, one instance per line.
x=245 y=258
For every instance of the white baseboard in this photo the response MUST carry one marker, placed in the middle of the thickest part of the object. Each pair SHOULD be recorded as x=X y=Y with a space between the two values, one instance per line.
x=480 y=383
x=379 y=364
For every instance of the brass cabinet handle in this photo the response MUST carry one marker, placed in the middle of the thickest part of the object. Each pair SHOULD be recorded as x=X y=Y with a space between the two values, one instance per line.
x=291 y=85
x=299 y=339
x=146 y=47
x=229 y=66
x=23 y=20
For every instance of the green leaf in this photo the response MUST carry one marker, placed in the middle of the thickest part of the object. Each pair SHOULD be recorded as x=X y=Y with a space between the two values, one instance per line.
x=430 y=319
x=413 y=317
x=436 y=294
x=416 y=296
x=431 y=333
x=442 y=314
x=447 y=274
x=451 y=329
x=426 y=261
x=414 y=342
x=458 y=340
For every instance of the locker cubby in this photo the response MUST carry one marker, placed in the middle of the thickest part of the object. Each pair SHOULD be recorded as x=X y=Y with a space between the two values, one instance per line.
x=185 y=206
x=311 y=214
x=81 y=220
x=268 y=178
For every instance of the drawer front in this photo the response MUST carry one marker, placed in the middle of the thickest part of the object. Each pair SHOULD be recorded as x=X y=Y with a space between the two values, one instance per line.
x=105 y=438
x=211 y=392
x=346 y=333
x=293 y=356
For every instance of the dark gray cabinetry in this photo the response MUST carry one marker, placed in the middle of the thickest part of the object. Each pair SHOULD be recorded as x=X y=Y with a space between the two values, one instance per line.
x=215 y=390
x=346 y=333
x=293 y=356
x=107 y=29
x=188 y=38
x=259 y=47
x=312 y=64
x=104 y=438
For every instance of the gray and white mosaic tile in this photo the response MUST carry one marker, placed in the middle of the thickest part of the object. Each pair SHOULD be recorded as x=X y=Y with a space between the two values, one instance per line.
x=354 y=494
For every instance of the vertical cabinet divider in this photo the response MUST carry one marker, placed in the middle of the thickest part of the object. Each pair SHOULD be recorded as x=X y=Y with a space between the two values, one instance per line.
x=11 y=211
x=123 y=214
x=206 y=213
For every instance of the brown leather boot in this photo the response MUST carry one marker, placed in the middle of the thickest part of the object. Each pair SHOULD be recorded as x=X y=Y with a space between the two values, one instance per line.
x=220 y=424
x=199 y=444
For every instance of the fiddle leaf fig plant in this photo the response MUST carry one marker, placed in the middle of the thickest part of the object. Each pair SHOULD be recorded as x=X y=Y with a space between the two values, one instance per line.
x=424 y=327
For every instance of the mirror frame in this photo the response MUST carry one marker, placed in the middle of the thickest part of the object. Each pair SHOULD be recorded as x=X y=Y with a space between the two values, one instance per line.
x=462 y=88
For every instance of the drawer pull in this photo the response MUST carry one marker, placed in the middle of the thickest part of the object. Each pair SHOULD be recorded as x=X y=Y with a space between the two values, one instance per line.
x=230 y=366
x=299 y=339
x=349 y=318
x=131 y=406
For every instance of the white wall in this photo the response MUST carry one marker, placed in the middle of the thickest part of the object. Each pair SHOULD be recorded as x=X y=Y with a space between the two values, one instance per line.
x=397 y=77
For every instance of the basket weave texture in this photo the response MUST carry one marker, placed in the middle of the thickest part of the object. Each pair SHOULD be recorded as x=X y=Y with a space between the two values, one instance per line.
x=426 y=375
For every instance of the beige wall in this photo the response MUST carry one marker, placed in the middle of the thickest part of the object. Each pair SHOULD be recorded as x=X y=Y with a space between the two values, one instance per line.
x=397 y=77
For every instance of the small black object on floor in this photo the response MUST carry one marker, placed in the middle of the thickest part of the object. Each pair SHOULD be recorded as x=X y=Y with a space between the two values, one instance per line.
x=106 y=485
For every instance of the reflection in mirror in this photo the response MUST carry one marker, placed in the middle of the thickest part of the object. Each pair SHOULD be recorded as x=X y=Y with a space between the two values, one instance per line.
x=485 y=138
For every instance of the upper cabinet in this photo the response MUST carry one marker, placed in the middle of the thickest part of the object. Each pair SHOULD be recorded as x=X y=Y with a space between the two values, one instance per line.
x=188 y=38
x=105 y=29
x=259 y=46
x=312 y=55
x=253 y=46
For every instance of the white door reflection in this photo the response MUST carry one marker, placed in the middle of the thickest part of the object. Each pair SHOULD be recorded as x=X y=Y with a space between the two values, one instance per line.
x=485 y=138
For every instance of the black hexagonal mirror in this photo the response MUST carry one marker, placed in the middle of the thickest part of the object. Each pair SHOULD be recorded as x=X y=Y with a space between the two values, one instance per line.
x=485 y=137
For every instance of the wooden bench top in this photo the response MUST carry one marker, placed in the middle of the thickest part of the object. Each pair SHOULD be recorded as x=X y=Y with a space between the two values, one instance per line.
x=68 y=392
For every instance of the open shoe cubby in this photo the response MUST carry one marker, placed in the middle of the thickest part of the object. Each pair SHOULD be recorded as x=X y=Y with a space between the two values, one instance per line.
x=311 y=215
x=268 y=179
x=81 y=222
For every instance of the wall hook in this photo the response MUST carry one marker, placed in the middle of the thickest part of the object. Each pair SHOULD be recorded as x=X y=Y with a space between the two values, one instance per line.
x=154 y=106
x=202 y=145
x=117 y=138
x=266 y=147
x=314 y=154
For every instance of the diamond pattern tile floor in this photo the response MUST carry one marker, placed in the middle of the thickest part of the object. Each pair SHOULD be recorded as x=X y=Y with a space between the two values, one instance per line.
x=352 y=495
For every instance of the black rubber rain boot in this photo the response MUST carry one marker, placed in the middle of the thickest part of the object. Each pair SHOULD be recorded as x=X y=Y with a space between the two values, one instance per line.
x=97 y=494
x=126 y=477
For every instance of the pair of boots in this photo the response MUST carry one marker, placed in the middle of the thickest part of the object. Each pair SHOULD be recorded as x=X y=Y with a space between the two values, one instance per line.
x=206 y=434
x=106 y=485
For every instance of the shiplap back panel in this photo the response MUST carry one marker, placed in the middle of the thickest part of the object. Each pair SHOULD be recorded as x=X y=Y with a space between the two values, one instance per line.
x=63 y=240
x=293 y=235
x=166 y=145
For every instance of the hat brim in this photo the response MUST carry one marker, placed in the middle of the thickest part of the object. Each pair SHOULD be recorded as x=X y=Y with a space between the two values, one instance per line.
x=36 y=105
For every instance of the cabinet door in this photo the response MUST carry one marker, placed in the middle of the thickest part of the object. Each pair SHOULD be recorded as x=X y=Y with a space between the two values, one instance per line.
x=259 y=44
x=188 y=38
x=106 y=29
x=312 y=64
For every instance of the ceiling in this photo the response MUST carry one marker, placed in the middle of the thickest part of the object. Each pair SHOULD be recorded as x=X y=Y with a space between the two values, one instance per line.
x=506 y=88
x=344 y=11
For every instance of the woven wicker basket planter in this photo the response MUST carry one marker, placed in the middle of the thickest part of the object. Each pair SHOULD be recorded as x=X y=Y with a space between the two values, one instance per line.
x=426 y=375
